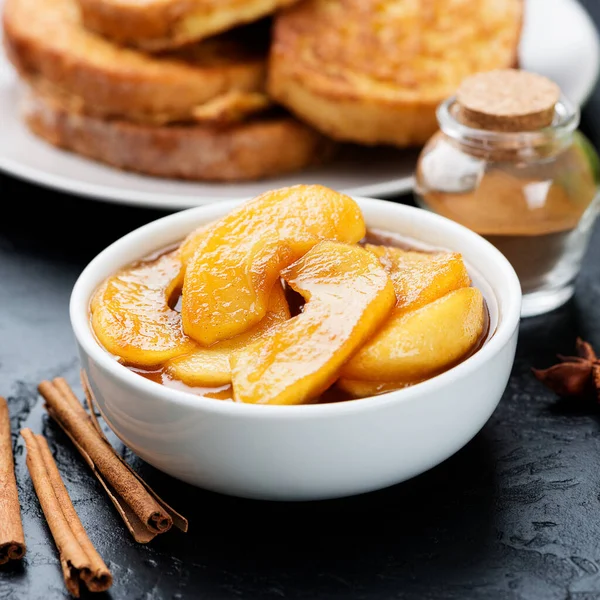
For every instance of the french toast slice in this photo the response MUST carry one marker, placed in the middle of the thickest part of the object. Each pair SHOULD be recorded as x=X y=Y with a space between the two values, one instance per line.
x=374 y=71
x=248 y=150
x=49 y=46
x=157 y=25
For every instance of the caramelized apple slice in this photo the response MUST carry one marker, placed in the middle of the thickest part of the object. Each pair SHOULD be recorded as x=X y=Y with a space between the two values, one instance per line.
x=188 y=247
x=348 y=295
x=211 y=366
x=363 y=389
x=421 y=277
x=238 y=258
x=131 y=316
x=418 y=344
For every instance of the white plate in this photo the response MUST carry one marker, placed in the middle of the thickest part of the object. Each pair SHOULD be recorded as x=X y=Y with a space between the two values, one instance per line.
x=559 y=40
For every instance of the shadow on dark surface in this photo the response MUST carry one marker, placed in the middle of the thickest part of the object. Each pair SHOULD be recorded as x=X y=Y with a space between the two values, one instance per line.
x=63 y=226
x=442 y=518
x=12 y=567
x=452 y=501
x=389 y=514
x=575 y=407
x=555 y=332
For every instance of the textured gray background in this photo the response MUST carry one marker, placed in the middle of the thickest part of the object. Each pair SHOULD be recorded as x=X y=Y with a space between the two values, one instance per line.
x=514 y=515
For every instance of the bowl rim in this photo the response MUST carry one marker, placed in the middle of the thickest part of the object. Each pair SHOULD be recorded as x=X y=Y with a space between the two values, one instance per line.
x=88 y=279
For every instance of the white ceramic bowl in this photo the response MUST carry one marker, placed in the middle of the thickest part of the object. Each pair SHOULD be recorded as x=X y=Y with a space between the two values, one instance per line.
x=313 y=451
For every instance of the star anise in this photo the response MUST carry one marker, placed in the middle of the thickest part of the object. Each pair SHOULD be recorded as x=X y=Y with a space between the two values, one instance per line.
x=574 y=375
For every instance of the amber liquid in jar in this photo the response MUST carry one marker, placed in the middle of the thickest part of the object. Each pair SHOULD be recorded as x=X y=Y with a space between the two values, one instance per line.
x=296 y=303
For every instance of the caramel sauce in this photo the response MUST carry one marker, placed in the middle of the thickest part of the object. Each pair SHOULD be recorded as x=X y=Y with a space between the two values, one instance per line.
x=296 y=304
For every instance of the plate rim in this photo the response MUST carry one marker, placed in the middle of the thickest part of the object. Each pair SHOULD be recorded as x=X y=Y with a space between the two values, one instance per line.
x=153 y=200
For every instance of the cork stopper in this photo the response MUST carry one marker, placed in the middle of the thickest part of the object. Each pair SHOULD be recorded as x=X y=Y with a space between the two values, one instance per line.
x=507 y=100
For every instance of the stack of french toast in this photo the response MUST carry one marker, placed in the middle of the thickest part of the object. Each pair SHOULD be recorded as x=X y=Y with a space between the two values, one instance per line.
x=232 y=90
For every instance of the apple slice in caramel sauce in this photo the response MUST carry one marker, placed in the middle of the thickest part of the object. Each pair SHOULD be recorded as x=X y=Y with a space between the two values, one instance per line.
x=210 y=366
x=238 y=259
x=285 y=301
x=348 y=295
x=131 y=315
x=415 y=345
x=421 y=277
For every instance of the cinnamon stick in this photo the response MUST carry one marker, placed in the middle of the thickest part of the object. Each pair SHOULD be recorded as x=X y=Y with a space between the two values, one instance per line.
x=143 y=512
x=178 y=520
x=12 y=539
x=81 y=564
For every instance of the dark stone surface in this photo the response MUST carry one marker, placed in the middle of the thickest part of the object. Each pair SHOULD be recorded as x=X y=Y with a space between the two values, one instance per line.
x=514 y=515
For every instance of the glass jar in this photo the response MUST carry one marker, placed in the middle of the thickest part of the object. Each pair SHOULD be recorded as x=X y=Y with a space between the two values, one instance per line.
x=533 y=194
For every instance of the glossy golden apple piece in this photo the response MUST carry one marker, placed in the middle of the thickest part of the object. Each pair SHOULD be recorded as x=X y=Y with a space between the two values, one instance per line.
x=188 y=246
x=238 y=258
x=131 y=316
x=211 y=366
x=348 y=295
x=421 y=277
x=421 y=343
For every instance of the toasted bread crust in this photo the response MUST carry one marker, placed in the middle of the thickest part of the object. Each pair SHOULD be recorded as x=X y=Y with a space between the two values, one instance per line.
x=374 y=72
x=157 y=25
x=247 y=151
x=46 y=40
